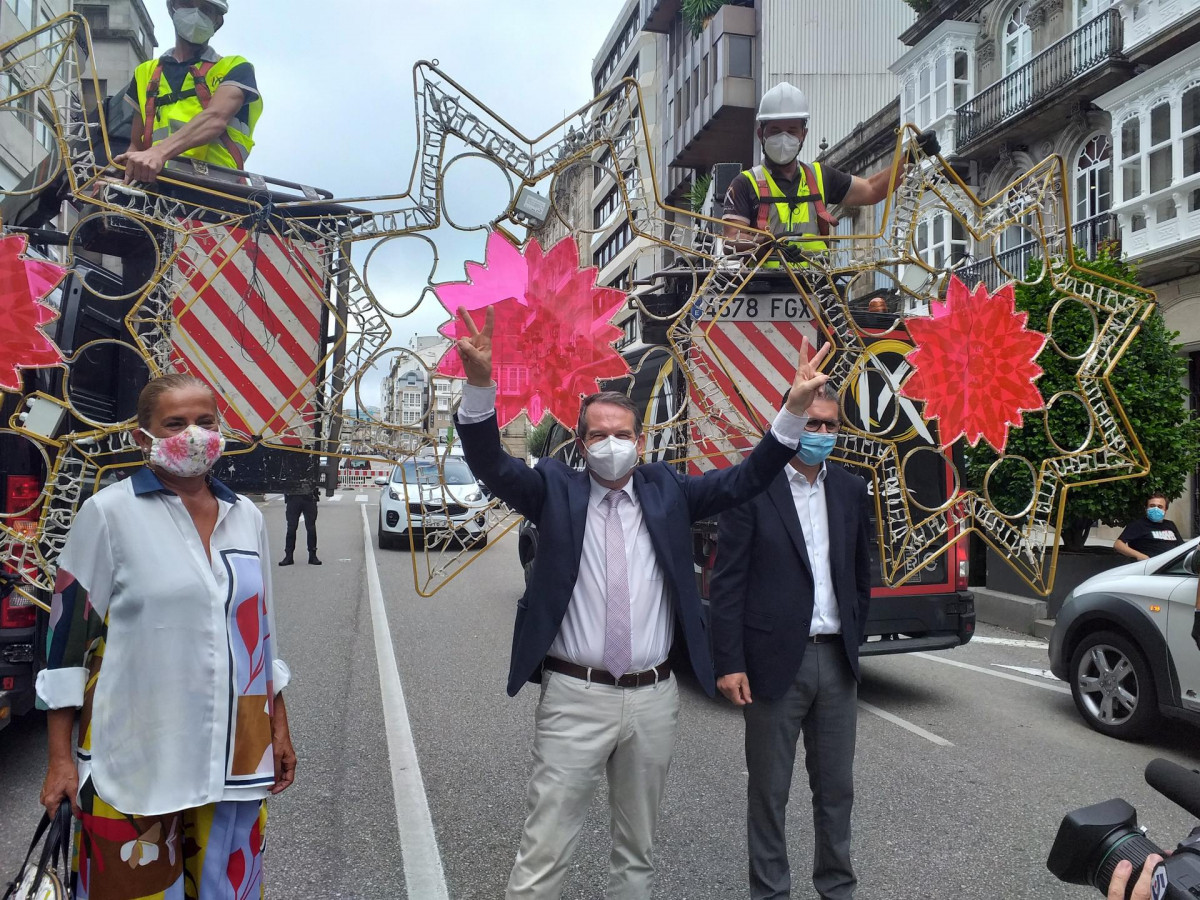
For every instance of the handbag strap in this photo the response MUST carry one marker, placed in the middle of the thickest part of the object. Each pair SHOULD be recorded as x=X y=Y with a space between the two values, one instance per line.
x=57 y=845
x=37 y=837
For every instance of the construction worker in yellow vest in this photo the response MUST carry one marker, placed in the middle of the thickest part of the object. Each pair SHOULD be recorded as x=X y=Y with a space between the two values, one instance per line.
x=191 y=101
x=788 y=198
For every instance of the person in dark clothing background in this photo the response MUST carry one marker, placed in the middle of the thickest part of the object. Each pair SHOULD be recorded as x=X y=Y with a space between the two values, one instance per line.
x=304 y=502
x=1151 y=534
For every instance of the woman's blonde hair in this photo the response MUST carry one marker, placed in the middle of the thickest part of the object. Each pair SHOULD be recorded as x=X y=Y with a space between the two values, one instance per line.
x=156 y=387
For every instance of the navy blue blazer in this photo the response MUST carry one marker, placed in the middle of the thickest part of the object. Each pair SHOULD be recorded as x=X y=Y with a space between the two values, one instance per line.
x=554 y=497
x=762 y=586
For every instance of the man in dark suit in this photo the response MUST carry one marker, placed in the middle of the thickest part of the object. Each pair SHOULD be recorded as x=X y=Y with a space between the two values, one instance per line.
x=789 y=602
x=612 y=578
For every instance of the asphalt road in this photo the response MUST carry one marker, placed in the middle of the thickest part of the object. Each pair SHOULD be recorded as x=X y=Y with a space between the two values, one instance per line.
x=959 y=798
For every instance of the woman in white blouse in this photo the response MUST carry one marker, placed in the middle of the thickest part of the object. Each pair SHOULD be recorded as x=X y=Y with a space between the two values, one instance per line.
x=163 y=641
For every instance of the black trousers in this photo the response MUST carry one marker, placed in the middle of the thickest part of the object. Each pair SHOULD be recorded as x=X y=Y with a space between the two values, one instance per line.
x=295 y=506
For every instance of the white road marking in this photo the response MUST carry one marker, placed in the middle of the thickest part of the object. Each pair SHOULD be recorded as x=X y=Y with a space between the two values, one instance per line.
x=1009 y=642
x=1057 y=688
x=333 y=499
x=423 y=874
x=905 y=724
x=1030 y=670
x=270 y=497
x=361 y=498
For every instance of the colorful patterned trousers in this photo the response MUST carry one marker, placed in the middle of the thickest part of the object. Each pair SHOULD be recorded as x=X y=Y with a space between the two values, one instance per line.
x=212 y=852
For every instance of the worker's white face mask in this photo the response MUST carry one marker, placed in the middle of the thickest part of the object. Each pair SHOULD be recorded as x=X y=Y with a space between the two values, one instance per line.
x=782 y=148
x=612 y=458
x=193 y=26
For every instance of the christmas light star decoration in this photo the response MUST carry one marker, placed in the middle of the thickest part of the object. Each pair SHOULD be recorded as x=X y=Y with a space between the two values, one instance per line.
x=554 y=340
x=23 y=284
x=974 y=365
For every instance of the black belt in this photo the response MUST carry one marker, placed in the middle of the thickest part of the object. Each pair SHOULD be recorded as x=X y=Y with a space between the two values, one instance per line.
x=823 y=638
x=600 y=676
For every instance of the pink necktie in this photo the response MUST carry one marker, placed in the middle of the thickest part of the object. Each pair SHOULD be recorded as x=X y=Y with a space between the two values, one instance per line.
x=618 y=649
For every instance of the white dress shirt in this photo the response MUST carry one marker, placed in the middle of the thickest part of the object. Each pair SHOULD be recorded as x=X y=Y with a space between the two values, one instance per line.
x=580 y=638
x=190 y=653
x=814 y=522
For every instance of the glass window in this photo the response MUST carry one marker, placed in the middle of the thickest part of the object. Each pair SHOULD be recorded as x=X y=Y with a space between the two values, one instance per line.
x=1160 y=155
x=1131 y=158
x=961 y=78
x=704 y=77
x=1018 y=38
x=1160 y=124
x=1093 y=178
x=1191 y=132
x=741 y=55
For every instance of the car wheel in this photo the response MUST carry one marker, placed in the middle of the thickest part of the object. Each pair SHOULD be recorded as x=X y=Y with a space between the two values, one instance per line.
x=1113 y=686
x=528 y=567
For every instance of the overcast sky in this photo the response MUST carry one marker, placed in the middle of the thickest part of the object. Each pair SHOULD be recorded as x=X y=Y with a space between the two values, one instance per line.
x=336 y=81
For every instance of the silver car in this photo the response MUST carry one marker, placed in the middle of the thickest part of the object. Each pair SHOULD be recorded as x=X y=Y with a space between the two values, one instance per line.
x=1123 y=641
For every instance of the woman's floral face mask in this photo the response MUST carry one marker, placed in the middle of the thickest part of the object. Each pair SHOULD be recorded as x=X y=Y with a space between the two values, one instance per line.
x=188 y=453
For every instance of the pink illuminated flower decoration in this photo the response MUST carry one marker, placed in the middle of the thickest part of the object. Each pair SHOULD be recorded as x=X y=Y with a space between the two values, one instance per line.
x=974 y=365
x=553 y=341
x=23 y=283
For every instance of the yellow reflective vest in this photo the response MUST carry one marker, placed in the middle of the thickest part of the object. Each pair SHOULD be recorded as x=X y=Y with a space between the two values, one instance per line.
x=165 y=111
x=803 y=218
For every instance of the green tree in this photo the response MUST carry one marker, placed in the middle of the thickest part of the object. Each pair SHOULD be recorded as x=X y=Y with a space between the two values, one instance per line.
x=539 y=435
x=698 y=191
x=1148 y=379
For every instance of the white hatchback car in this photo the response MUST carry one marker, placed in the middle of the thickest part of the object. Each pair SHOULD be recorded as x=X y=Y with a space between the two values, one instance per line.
x=1123 y=641
x=434 y=507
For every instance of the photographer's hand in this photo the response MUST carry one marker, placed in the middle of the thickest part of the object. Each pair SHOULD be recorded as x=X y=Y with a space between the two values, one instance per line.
x=1124 y=871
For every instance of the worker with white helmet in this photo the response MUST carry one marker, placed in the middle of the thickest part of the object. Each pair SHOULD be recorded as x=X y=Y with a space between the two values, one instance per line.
x=191 y=101
x=790 y=199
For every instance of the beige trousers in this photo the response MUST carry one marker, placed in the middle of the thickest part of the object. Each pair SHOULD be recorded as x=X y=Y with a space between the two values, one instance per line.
x=582 y=731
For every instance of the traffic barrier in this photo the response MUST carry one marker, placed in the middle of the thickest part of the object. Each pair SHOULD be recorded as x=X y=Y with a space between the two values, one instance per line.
x=349 y=479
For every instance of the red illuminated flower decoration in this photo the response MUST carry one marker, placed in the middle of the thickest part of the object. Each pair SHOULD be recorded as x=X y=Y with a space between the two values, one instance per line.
x=553 y=340
x=23 y=282
x=974 y=365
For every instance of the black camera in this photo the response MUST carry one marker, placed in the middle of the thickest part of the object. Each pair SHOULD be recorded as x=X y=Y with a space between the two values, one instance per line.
x=1091 y=841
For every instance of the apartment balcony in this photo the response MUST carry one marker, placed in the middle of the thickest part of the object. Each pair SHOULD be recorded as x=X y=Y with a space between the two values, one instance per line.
x=711 y=94
x=1089 y=236
x=1081 y=66
x=1162 y=230
x=1158 y=29
x=658 y=15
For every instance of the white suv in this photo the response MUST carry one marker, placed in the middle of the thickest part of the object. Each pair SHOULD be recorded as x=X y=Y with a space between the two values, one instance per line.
x=1123 y=641
x=435 y=502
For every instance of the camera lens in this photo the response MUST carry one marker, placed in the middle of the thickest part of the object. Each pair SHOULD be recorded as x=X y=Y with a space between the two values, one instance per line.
x=1124 y=844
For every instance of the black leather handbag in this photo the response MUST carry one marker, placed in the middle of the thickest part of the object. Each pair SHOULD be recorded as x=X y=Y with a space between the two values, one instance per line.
x=51 y=878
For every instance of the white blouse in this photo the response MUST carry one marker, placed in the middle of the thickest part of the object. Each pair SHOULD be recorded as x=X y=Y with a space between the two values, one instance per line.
x=173 y=657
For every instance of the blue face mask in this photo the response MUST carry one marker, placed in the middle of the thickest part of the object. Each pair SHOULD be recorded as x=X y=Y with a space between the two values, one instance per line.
x=1156 y=515
x=814 y=447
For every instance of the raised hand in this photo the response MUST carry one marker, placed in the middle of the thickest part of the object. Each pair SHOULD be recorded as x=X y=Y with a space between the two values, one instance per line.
x=808 y=380
x=476 y=349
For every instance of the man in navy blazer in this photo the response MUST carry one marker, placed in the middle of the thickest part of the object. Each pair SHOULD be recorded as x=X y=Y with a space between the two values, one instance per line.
x=789 y=604
x=613 y=576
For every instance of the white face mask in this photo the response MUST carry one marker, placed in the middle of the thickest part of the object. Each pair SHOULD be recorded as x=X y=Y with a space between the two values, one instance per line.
x=612 y=458
x=186 y=453
x=193 y=26
x=782 y=148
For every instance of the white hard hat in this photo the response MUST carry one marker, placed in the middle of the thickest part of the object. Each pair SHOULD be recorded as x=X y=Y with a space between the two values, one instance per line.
x=223 y=5
x=784 y=101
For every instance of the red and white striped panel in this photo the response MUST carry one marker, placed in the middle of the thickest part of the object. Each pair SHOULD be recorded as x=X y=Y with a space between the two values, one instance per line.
x=250 y=325
x=753 y=363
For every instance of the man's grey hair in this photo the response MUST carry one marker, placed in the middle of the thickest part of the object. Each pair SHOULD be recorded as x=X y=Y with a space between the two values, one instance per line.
x=616 y=398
